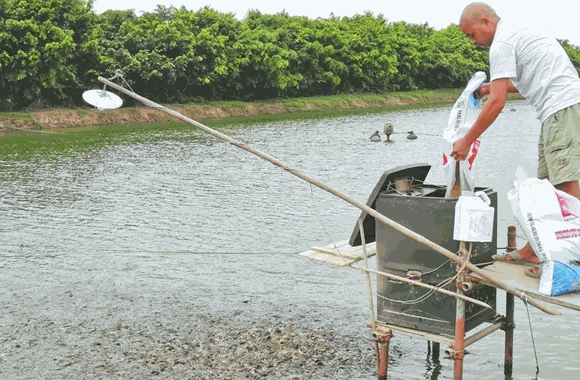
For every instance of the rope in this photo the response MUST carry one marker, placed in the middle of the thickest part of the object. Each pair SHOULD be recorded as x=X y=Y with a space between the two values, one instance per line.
x=487 y=137
x=416 y=300
x=119 y=74
x=525 y=300
x=324 y=227
x=440 y=285
x=436 y=269
x=409 y=315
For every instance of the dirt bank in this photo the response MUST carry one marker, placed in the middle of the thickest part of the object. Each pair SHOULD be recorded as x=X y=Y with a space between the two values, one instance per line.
x=66 y=118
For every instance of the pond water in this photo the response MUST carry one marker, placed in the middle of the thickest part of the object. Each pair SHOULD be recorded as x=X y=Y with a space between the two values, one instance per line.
x=179 y=214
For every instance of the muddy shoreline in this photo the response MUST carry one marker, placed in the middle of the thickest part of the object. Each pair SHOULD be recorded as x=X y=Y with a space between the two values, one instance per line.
x=204 y=347
x=99 y=316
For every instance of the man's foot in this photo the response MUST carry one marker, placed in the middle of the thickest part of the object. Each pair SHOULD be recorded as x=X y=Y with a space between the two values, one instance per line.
x=525 y=254
x=510 y=257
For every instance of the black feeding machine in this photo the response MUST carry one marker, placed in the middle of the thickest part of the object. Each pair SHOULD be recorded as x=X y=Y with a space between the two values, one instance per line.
x=402 y=196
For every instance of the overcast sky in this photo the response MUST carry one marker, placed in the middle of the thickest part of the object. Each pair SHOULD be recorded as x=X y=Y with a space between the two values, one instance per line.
x=558 y=16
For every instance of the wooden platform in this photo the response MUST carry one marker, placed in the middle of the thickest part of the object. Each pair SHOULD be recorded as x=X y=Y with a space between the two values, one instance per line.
x=342 y=254
x=513 y=275
x=339 y=254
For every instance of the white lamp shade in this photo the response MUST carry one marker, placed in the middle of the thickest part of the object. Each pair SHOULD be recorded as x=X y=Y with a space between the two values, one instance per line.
x=102 y=99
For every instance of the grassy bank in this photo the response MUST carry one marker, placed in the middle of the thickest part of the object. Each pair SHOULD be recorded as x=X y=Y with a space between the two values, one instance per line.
x=234 y=112
x=223 y=113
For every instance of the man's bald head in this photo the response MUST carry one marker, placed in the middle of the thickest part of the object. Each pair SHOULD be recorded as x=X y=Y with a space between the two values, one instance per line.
x=474 y=12
x=478 y=22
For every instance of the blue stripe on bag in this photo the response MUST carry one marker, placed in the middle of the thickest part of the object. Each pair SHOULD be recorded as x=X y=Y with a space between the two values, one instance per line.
x=565 y=279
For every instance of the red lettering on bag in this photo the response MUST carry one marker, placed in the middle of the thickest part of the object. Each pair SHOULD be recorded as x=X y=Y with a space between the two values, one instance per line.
x=474 y=150
x=565 y=206
x=567 y=234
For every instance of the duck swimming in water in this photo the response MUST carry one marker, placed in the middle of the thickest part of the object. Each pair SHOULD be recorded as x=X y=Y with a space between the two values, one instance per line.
x=388 y=129
x=376 y=137
x=411 y=136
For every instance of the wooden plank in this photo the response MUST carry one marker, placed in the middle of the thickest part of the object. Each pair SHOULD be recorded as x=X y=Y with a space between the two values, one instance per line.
x=513 y=274
x=339 y=254
x=426 y=335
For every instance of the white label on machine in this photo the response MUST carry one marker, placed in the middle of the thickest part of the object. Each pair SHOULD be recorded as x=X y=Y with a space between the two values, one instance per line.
x=473 y=218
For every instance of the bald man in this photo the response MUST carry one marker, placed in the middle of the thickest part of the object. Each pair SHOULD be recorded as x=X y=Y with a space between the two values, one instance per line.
x=528 y=61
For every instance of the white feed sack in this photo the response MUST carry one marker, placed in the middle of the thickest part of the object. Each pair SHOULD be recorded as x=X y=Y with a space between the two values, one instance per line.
x=457 y=127
x=550 y=219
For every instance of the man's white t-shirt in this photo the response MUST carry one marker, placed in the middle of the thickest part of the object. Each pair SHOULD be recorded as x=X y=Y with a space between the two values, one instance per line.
x=537 y=65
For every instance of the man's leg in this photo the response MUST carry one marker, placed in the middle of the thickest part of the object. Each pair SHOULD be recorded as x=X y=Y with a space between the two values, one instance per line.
x=572 y=188
x=527 y=253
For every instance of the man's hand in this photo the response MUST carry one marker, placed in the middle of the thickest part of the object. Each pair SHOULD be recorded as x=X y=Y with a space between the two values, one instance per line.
x=482 y=91
x=460 y=149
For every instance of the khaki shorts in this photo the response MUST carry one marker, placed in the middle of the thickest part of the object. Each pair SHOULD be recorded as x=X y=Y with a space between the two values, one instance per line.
x=559 y=146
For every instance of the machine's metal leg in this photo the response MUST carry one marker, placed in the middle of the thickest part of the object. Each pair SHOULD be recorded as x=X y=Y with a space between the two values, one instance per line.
x=509 y=335
x=435 y=351
x=383 y=338
x=511 y=240
x=509 y=325
x=457 y=352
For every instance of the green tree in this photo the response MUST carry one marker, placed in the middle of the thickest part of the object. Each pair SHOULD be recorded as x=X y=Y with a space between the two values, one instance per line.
x=185 y=53
x=44 y=48
x=451 y=59
x=573 y=53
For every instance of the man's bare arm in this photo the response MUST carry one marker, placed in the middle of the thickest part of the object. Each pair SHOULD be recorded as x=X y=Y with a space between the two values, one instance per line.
x=485 y=89
x=498 y=93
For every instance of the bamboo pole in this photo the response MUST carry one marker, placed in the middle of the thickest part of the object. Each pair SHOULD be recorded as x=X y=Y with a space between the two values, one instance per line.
x=427 y=286
x=483 y=333
x=378 y=216
x=368 y=275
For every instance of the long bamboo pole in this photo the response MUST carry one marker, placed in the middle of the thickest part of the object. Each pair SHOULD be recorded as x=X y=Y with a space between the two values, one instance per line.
x=420 y=284
x=368 y=275
x=378 y=216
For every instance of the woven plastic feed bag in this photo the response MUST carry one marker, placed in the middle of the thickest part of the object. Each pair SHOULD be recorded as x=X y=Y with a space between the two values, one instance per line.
x=550 y=219
x=457 y=127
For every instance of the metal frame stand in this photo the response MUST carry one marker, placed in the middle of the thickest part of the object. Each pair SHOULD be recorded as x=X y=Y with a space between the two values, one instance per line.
x=509 y=325
x=382 y=333
x=457 y=351
x=382 y=338
x=433 y=349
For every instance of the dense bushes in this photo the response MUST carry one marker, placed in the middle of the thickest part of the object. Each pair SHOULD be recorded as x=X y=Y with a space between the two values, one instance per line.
x=45 y=46
x=53 y=50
